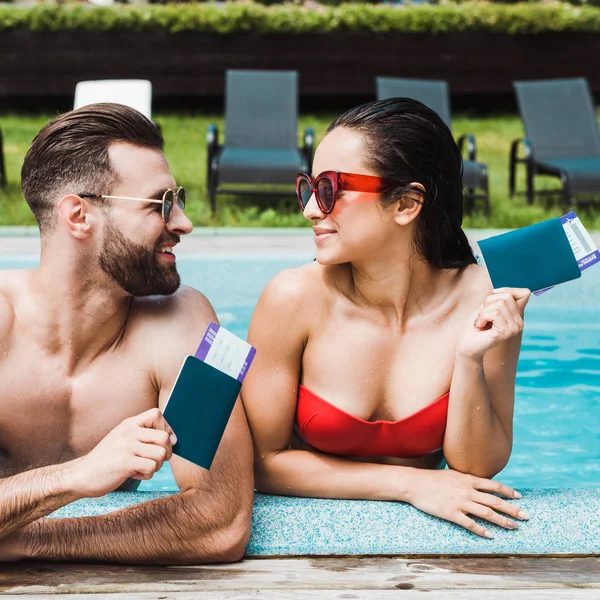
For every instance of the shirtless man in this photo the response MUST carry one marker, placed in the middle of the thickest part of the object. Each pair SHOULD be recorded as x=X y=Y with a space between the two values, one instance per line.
x=91 y=342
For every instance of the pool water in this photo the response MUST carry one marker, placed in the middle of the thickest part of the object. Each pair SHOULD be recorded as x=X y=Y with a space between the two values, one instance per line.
x=557 y=404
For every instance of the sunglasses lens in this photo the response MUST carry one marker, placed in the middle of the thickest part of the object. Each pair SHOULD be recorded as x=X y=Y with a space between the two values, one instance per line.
x=167 y=205
x=326 y=195
x=181 y=199
x=304 y=192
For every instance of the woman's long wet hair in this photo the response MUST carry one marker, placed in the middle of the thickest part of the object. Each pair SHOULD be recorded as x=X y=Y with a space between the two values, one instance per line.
x=407 y=142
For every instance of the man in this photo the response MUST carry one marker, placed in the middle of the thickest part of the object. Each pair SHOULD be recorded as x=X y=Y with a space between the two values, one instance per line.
x=91 y=342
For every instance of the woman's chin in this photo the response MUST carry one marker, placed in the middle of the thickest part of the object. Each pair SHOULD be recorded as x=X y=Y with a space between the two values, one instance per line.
x=329 y=258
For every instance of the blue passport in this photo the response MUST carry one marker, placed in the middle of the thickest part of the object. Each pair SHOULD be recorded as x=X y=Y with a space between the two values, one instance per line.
x=535 y=257
x=199 y=408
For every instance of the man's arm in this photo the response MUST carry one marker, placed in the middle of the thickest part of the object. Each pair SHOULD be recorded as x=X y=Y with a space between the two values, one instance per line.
x=28 y=496
x=209 y=521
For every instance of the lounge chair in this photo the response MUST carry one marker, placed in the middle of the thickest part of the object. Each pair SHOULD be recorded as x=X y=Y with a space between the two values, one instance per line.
x=261 y=136
x=562 y=140
x=136 y=93
x=436 y=95
x=3 y=179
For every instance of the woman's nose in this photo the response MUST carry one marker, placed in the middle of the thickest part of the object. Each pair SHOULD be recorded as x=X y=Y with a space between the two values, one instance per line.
x=311 y=210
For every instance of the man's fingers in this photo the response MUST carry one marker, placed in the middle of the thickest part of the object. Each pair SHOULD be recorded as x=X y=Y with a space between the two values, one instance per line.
x=154 y=419
x=144 y=468
x=154 y=452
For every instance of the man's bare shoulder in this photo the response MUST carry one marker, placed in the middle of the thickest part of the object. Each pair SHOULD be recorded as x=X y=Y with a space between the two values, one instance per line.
x=176 y=322
x=12 y=285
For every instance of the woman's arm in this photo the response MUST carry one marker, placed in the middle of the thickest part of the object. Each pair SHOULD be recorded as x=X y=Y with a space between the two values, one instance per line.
x=280 y=330
x=478 y=437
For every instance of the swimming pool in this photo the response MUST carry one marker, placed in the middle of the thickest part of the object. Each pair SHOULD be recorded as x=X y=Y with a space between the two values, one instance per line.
x=557 y=406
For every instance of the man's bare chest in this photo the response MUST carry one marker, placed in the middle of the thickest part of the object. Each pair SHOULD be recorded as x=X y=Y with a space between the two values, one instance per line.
x=48 y=416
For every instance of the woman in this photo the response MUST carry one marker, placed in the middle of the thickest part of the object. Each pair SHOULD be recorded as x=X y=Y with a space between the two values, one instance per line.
x=391 y=354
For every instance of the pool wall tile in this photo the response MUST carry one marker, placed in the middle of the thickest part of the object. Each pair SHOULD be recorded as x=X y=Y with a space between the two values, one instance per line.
x=563 y=521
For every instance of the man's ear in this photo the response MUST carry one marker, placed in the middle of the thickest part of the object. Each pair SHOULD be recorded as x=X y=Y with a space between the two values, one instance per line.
x=410 y=204
x=73 y=212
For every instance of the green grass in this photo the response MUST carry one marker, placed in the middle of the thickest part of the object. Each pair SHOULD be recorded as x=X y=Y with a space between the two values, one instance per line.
x=185 y=148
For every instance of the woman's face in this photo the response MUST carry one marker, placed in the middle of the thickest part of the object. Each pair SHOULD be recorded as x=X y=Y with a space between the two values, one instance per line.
x=359 y=226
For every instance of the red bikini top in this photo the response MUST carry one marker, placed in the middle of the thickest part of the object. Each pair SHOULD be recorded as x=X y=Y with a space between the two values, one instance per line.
x=334 y=431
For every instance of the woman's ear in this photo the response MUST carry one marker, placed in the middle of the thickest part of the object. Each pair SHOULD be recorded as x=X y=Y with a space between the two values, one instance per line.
x=72 y=211
x=410 y=204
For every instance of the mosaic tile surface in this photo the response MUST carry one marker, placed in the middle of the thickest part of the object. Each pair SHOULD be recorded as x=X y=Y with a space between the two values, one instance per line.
x=563 y=521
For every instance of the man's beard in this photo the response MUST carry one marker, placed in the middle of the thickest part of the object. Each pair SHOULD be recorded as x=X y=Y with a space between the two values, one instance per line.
x=134 y=267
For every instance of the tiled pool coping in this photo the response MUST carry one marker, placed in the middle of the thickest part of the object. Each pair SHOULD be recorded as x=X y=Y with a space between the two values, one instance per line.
x=563 y=521
x=219 y=241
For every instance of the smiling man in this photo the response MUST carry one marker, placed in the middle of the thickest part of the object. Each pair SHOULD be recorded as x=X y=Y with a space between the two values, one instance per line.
x=91 y=342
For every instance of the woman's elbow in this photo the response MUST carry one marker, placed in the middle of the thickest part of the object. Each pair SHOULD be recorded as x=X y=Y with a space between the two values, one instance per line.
x=265 y=477
x=478 y=467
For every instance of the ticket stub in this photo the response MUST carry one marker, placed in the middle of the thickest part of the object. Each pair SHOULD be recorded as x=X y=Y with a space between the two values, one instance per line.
x=585 y=251
x=583 y=246
x=226 y=352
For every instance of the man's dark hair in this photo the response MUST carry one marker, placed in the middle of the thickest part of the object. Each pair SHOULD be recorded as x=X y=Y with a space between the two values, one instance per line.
x=407 y=142
x=70 y=155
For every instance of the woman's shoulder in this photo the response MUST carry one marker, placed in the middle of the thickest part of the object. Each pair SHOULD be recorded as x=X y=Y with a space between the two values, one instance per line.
x=296 y=284
x=473 y=283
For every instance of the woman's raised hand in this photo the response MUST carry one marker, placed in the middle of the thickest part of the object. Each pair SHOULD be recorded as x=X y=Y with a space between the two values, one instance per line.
x=499 y=318
x=454 y=496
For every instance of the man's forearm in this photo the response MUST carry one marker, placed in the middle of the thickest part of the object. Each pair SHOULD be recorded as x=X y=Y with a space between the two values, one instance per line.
x=475 y=441
x=184 y=528
x=28 y=496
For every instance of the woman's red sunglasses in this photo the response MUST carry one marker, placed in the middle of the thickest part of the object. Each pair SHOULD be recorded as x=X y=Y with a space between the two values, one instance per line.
x=326 y=186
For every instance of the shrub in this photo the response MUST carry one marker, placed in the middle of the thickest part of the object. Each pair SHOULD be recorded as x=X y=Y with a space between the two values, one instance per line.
x=230 y=18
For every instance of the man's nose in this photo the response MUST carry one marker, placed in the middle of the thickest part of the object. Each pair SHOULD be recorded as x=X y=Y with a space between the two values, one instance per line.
x=179 y=223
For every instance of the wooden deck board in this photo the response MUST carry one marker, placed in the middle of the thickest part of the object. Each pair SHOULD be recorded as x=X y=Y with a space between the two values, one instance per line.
x=352 y=577
x=340 y=595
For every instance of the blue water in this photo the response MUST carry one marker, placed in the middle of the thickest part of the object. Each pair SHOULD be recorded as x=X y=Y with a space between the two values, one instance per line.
x=557 y=404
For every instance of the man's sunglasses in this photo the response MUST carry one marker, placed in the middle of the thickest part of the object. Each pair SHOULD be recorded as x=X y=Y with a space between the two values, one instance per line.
x=169 y=198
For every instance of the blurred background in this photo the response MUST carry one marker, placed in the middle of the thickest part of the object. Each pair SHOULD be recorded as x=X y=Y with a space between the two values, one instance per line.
x=238 y=85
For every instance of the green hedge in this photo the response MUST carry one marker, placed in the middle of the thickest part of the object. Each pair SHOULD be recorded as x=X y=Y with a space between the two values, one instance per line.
x=526 y=18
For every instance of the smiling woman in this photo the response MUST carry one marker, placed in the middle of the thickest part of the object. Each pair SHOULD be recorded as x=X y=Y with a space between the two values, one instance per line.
x=390 y=356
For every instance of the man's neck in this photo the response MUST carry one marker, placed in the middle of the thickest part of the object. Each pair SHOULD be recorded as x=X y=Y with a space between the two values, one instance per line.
x=73 y=312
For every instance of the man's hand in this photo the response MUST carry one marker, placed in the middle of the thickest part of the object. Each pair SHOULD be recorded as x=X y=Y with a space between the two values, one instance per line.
x=136 y=448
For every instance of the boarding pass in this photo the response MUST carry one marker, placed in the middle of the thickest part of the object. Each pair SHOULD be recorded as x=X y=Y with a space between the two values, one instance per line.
x=226 y=352
x=585 y=251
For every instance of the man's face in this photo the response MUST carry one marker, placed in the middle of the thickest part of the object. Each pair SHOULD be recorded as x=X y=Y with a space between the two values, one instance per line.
x=135 y=241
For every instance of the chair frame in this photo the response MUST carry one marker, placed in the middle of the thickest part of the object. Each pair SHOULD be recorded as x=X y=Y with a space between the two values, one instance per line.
x=212 y=172
x=533 y=168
